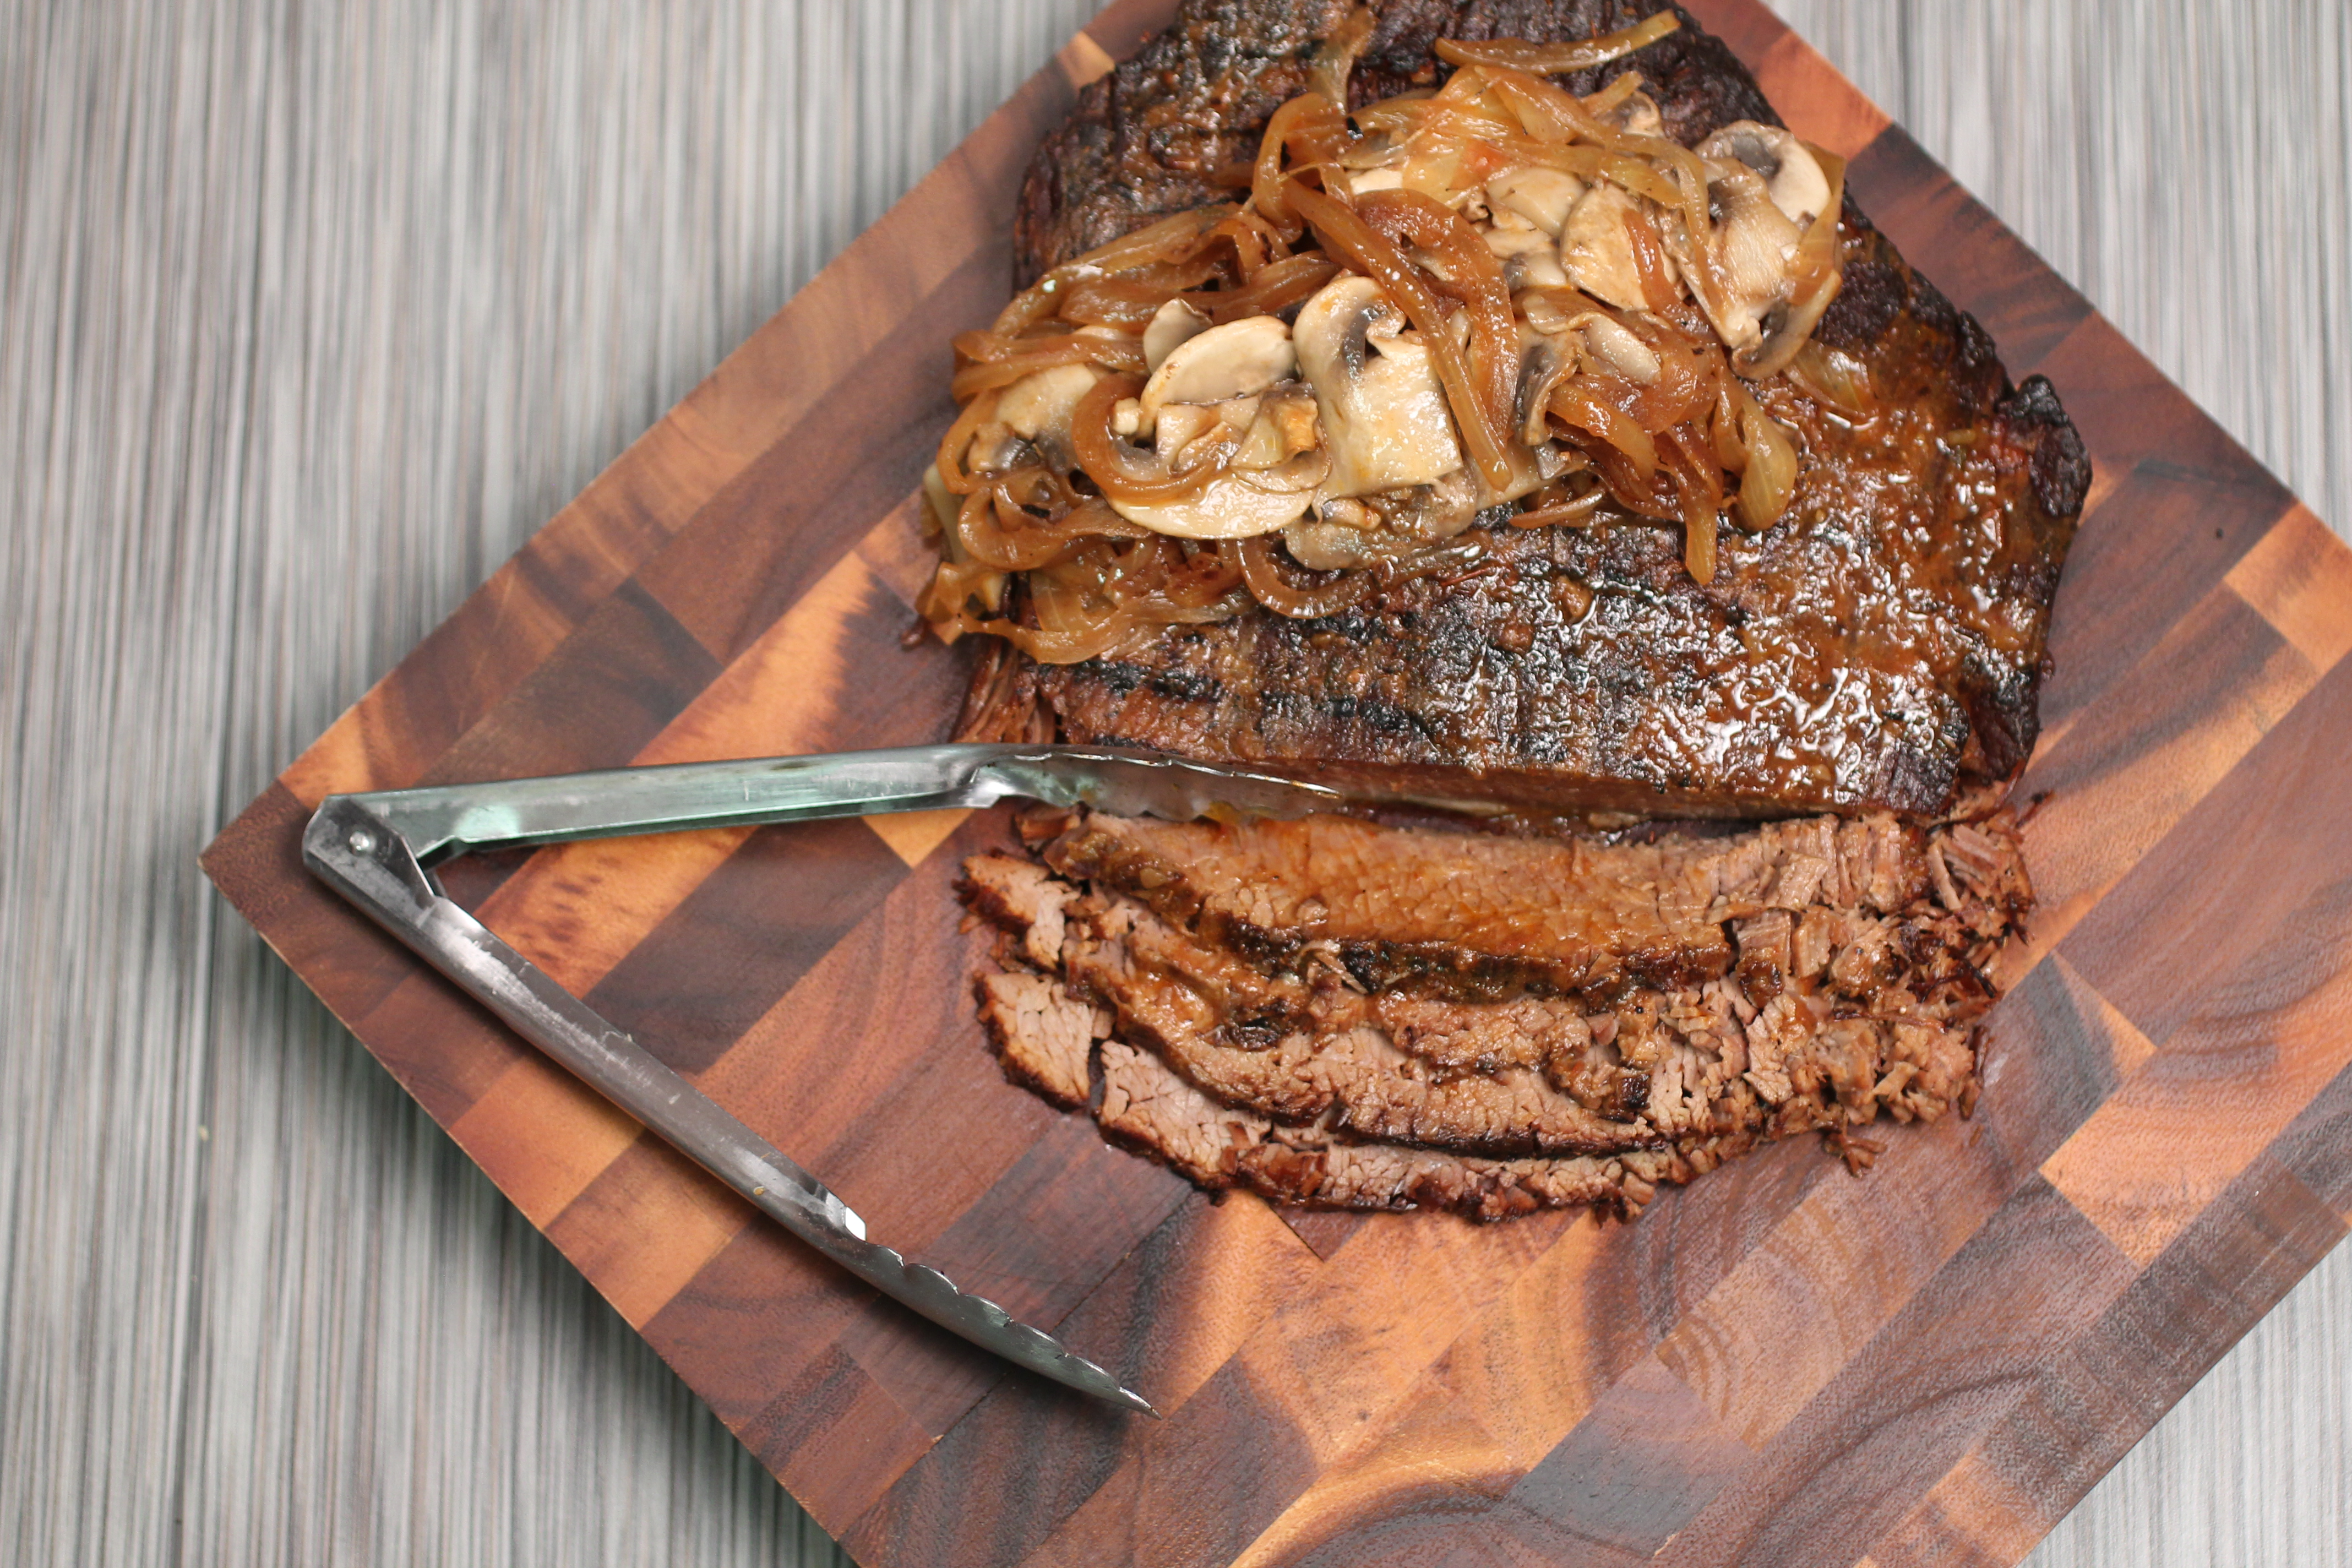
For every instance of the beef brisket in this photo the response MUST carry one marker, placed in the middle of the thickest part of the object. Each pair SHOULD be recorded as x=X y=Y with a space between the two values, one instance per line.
x=1856 y=958
x=1476 y=915
x=1147 y=1104
x=1879 y=648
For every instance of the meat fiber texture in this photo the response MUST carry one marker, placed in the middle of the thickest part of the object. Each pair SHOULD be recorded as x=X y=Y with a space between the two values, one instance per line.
x=1879 y=649
x=1351 y=1015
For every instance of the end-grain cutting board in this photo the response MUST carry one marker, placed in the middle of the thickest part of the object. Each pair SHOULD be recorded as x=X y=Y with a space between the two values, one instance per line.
x=1780 y=1365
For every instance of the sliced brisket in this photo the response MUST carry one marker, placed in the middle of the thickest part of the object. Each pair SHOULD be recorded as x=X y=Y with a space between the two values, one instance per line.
x=1147 y=1104
x=1857 y=959
x=1481 y=915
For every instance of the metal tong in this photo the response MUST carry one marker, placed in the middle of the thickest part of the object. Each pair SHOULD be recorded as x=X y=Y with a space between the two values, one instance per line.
x=377 y=849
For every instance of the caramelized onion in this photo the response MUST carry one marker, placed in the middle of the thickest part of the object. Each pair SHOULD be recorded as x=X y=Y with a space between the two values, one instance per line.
x=1560 y=502
x=1837 y=382
x=1345 y=234
x=1658 y=290
x=1577 y=403
x=1336 y=59
x=1310 y=126
x=1336 y=592
x=1814 y=280
x=1111 y=463
x=979 y=412
x=1770 y=480
x=1174 y=238
x=1045 y=559
x=1474 y=275
x=1131 y=299
x=1554 y=60
x=1114 y=353
x=1278 y=286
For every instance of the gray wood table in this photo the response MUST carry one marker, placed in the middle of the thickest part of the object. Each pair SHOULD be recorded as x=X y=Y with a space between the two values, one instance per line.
x=311 y=313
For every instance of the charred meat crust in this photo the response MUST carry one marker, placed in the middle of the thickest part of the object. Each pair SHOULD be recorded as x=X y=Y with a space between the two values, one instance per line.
x=1881 y=649
x=1151 y=137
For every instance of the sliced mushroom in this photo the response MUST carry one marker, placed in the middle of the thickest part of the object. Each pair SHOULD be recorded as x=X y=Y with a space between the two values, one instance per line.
x=1234 y=505
x=1385 y=422
x=1595 y=250
x=1345 y=533
x=1182 y=424
x=1175 y=323
x=1792 y=175
x=1235 y=359
x=1753 y=243
x=1639 y=116
x=1038 y=406
x=1528 y=256
x=1615 y=347
x=1281 y=425
x=1542 y=196
x=1544 y=361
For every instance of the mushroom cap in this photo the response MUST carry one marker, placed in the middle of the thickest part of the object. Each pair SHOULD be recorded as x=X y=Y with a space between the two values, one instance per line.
x=1542 y=196
x=1385 y=421
x=1754 y=244
x=1239 y=359
x=1595 y=250
x=1793 y=177
x=1173 y=323
x=1234 y=505
x=1041 y=403
x=1613 y=344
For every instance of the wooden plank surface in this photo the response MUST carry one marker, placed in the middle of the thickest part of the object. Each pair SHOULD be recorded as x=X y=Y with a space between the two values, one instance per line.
x=181 y=1306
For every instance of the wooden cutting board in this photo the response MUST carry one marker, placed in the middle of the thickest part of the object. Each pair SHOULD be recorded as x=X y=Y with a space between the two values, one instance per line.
x=1782 y=1364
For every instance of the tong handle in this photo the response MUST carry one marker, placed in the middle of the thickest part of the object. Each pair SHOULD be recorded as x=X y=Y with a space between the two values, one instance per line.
x=363 y=856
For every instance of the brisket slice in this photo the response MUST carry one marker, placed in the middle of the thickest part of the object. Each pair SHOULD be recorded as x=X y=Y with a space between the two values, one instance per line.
x=1480 y=915
x=1147 y=1104
x=1879 y=648
x=1835 y=1008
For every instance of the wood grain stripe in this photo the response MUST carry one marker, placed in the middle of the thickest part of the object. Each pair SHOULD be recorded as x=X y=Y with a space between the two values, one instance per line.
x=2118 y=779
x=647 y=1222
x=578 y=910
x=754 y=1332
x=1835 y=1272
x=2164 y=540
x=755 y=548
x=543 y=1136
x=2242 y=907
x=2129 y=412
x=1171 y=1314
x=630 y=664
x=1037 y=1242
x=1825 y=109
x=1522 y=1376
x=2299 y=578
x=832 y=1433
x=2314 y=1144
x=1330 y=1360
x=1640 y=1468
x=2110 y=1382
x=1807 y=1297
x=762 y=917
x=1900 y=1414
x=1523 y=1373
